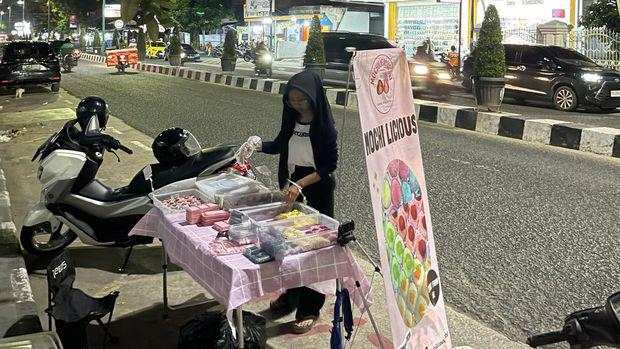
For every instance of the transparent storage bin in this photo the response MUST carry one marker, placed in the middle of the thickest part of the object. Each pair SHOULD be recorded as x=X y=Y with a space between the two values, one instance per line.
x=228 y=201
x=158 y=199
x=242 y=233
x=225 y=182
x=291 y=236
x=270 y=212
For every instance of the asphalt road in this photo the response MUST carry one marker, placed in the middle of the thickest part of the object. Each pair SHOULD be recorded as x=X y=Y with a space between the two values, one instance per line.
x=525 y=233
x=452 y=94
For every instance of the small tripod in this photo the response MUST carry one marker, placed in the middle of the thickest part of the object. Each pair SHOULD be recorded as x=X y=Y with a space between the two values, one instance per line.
x=345 y=236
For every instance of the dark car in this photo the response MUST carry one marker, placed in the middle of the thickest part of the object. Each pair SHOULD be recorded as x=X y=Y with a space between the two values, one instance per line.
x=563 y=76
x=188 y=53
x=27 y=63
x=335 y=43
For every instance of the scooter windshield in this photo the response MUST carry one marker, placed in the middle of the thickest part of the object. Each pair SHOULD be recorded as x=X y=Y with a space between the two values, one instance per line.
x=191 y=146
x=93 y=126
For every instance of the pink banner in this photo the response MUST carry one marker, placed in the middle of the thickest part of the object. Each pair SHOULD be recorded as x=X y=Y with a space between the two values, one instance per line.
x=399 y=200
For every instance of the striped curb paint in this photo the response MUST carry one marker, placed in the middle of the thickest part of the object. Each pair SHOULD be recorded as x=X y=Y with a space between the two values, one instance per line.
x=598 y=140
x=18 y=310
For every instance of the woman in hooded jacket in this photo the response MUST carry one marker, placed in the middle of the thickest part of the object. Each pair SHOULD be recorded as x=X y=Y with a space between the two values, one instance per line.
x=308 y=150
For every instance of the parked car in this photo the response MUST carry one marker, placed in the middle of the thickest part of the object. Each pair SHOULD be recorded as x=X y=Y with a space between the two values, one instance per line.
x=155 y=49
x=335 y=43
x=188 y=53
x=27 y=63
x=562 y=76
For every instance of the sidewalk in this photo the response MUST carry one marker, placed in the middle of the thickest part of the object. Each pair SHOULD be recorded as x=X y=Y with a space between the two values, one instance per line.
x=137 y=319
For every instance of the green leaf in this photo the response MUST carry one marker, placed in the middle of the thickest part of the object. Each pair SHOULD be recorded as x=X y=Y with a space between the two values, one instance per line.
x=488 y=55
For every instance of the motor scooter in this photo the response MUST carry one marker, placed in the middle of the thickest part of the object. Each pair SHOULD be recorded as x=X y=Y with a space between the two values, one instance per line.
x=75 y=204
x=263 y=61
x=587 y=328
x=70 y=60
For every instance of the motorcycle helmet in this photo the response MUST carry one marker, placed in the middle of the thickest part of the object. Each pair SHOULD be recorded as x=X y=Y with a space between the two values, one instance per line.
x=89 y=107
x=175 y=146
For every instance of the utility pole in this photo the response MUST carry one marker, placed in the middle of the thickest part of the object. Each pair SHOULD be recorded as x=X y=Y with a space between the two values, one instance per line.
x=8 y=26
x=48 y=18
x=272 y=42
x=103 y=27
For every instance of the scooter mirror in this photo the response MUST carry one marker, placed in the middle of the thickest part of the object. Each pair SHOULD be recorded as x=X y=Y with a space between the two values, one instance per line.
x=613 y=308
x=350 y=49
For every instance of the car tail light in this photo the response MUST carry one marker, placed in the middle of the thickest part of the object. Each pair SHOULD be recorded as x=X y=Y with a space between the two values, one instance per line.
x=56 y=78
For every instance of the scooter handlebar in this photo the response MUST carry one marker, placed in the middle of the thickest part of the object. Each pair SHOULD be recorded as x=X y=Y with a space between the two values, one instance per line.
x=546 y=338
x=125 y=149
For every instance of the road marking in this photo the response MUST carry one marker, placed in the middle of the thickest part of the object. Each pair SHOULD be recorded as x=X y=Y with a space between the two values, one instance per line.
x=140 y=145
x=114 y=130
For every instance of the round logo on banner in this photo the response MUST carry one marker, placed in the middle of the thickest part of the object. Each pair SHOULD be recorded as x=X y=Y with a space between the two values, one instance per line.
x=406 y=241
x=382 y=83
x=118 y=24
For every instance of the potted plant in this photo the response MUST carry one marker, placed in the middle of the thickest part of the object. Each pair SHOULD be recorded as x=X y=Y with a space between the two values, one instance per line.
x=489 y=63
x=174 y=50
x=229 y=56
x=96 y=41
x=314 y=59
x=141 y=44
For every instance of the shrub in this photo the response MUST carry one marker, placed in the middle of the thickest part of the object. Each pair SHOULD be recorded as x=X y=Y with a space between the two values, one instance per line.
x=230 y=45
x=489 y=59
x=141 y=44
x=96 y=40
x=315 y=52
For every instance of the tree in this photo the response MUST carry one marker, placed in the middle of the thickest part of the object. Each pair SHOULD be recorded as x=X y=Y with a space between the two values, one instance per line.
x=175 y=45
x=315 y=51
x=602 y=13
x=489 y=59
x=151 y=13
x=194 y=16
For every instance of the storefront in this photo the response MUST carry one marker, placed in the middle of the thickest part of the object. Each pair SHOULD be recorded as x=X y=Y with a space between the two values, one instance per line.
x=411 y=22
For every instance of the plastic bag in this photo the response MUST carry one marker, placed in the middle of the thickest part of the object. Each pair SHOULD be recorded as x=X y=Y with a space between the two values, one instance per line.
x=211 y=330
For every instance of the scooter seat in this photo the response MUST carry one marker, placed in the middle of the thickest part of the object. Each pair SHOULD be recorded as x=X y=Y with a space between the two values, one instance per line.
x=99 y=191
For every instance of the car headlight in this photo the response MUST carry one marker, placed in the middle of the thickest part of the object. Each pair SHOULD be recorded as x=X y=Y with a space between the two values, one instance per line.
x=591 y=77
x=183 y=54
x=443 y=76
x=420 y=69
x=267 y=59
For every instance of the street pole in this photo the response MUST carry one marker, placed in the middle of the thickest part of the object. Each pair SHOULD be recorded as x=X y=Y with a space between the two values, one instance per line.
x=460 y=28
x=8 y=26
x=273 y=26
x=24 y=13
x=48 y=18
x=103 y=27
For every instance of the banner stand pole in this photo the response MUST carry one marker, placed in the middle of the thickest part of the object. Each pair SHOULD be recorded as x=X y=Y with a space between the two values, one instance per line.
x=345 y=231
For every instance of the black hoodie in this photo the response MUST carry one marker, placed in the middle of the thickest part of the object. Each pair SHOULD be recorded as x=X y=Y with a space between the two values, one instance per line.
x=323 y=134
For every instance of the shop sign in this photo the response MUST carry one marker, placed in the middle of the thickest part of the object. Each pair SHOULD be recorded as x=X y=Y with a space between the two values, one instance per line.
x=112 y=10
x=257 y=8
x=399 y=200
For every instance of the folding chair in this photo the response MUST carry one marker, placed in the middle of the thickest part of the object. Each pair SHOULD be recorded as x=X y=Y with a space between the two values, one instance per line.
x=71 y=306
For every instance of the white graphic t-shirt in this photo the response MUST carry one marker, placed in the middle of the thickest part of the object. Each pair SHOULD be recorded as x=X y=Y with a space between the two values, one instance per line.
x=299 y=148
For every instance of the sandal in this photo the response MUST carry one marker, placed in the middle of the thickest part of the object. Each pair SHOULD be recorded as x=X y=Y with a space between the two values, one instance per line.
x=304 y=325
x=280 y=307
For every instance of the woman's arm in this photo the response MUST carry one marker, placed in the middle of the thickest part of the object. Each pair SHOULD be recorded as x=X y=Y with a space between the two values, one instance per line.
x=272 y=147
x=328 y=158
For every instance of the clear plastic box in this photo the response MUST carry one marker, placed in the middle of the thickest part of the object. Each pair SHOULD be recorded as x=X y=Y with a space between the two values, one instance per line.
x=158 y=199
x=269 y=212
x=228 y=201
x=225 y=182
x=291 y=236
x=242 y=233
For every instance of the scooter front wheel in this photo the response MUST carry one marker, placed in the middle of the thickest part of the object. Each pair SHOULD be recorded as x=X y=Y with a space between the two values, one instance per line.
x=41 y=240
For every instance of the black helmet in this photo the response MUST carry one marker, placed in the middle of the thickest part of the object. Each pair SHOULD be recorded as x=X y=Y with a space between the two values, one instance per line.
x=175 y=146
x=89 y=107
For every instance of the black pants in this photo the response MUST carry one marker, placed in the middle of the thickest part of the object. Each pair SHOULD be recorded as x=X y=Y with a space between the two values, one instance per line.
x=319 y=196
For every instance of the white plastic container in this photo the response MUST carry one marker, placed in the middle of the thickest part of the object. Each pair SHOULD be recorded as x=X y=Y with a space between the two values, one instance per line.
x=224 y=182
x=158 y=199
x=269 y=212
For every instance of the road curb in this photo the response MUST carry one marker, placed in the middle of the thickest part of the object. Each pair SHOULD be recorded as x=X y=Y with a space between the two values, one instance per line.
x=18 y=310
x=597 y=140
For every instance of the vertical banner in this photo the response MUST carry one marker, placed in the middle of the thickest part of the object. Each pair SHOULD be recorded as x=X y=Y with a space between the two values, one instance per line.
x=399 y=200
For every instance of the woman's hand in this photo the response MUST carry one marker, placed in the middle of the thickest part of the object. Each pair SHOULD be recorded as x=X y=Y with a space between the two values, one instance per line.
x=291 y=193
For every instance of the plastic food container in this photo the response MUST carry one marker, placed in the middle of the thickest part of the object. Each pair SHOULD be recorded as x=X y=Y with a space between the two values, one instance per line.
x=222 y=183
x=242 y=233
x=228 y=201
x=271 y=211
x=296 y=235
x=159 y=199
